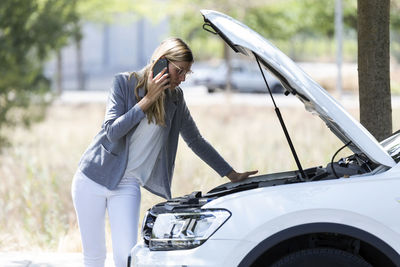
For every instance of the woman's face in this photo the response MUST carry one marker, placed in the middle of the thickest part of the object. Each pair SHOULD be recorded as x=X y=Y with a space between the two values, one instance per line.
x=178 y=71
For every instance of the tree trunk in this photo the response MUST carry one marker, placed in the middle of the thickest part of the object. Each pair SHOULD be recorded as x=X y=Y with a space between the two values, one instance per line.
x=374 y=67
x=59 y=73
x=79 y=64
x=227 y=56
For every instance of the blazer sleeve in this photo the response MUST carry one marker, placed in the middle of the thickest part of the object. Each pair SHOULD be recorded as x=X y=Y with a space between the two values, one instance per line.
x=191 y=135
x=118 y=120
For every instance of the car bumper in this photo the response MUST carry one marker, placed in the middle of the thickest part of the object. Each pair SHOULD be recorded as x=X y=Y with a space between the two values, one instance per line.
x=211 y=253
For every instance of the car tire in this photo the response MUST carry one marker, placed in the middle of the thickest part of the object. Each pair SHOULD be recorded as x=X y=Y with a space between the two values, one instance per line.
x=316 y=257
x=211 y=90
x=277 y=89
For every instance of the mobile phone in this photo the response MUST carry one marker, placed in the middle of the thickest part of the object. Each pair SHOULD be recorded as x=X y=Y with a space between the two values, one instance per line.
x=159 y=66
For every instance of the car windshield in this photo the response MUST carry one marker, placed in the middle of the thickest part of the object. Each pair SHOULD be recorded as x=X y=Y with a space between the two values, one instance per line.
x=392 y=145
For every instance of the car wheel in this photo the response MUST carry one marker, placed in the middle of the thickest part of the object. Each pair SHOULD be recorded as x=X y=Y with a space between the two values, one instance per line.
x=210 y=90
x=277 y=89
x=316 y=257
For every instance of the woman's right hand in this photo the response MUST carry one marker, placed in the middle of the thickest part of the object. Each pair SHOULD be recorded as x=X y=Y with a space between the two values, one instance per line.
x=155 y=86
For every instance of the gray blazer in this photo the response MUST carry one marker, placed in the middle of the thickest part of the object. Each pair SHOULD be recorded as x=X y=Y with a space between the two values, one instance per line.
x=106 y=158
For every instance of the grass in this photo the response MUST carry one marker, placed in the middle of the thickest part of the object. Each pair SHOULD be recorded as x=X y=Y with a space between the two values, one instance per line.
x=36 y=172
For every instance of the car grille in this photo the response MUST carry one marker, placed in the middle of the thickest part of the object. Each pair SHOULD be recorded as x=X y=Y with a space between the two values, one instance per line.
x=147 y=226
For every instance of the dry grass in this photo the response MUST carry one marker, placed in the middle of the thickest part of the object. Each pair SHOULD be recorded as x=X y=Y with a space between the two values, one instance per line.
x=36 y=173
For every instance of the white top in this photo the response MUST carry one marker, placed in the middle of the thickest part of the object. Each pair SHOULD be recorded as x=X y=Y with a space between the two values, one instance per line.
x=144 y=148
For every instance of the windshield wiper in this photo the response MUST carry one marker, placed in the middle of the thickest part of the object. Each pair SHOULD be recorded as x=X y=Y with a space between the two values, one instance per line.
x=278 y=113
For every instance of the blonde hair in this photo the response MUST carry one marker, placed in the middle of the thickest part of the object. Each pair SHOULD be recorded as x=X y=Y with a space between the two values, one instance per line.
x=173 y=49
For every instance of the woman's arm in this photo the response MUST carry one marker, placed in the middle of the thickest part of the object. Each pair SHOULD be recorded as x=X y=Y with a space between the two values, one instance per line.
x=117 y=122
x=237 y=176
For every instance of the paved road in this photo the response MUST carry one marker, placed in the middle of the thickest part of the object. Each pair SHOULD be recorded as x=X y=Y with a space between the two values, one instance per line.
x=197 y=95
x=42 y=259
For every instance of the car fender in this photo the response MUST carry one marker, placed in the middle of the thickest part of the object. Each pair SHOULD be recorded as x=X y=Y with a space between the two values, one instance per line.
x=325 y=216
x=310 y=228
x=263 y=212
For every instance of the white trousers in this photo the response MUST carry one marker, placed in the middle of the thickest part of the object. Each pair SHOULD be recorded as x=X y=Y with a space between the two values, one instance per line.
x=91 y=200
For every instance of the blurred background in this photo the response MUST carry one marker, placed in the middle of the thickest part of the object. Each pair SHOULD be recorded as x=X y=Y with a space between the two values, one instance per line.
x=57 y=61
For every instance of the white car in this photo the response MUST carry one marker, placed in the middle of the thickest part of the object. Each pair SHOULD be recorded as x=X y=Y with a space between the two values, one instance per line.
x=245 y=78
x=346 y=213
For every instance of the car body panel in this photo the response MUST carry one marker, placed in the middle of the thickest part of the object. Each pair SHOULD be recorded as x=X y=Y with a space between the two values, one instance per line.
x=349 y=202
x=199 y=256
x=296 y=81
x=285 y=206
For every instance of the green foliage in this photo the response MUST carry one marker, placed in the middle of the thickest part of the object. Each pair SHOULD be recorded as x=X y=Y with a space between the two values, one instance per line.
x=274 y=21
x=395 y=29
x=286 y=20
x=203 y=44
x=29 y=31
x=283 y=21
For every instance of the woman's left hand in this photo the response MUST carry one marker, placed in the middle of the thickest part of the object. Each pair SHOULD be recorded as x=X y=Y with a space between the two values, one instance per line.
x=239 y=176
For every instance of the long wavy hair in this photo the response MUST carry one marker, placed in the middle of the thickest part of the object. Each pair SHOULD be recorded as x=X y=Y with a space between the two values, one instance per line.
x=173 y=49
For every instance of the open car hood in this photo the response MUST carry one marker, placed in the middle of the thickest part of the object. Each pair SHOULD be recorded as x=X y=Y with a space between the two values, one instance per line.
x=244 y=40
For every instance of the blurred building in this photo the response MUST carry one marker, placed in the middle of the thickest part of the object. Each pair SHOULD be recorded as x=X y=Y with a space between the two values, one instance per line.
x=107 y=49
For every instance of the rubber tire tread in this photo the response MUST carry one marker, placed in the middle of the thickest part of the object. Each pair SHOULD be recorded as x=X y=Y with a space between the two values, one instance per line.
x=347 y=259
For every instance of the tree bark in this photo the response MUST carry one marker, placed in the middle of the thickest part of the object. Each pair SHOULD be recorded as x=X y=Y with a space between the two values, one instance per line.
x=374 y=67
x=59 y=73
x=227 y=57
x=79 y=65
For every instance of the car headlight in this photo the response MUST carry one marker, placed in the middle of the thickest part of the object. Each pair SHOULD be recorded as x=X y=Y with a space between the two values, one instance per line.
x=172 y=231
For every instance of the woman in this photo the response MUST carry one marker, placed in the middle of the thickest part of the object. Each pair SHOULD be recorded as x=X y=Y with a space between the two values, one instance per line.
x=136 y=146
